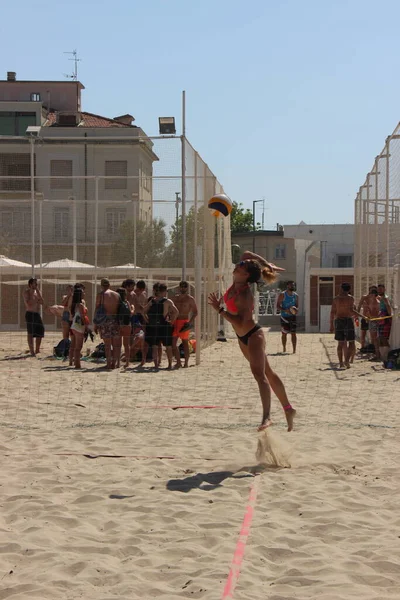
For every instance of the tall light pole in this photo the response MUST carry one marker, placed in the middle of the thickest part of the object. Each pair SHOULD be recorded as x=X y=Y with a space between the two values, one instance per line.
x=177 y=202
x=254 y=220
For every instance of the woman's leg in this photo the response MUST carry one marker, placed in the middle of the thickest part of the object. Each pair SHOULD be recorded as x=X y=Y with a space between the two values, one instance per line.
x=65 y=329
x=275 y=383
x=72 y=350
x=280 y=392
x=256 y=358
x=78 y=348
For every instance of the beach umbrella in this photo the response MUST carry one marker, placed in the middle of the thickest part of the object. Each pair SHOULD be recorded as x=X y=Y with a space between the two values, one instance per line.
x=10 y=262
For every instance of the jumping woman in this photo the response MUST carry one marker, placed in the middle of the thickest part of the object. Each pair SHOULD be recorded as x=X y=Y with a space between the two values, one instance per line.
x=239 y=304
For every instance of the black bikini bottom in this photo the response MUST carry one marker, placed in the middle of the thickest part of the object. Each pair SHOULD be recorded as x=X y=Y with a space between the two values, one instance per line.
x=245 y=338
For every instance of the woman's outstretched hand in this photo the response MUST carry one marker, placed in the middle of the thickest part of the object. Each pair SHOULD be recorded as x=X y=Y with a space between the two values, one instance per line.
x=214 y=301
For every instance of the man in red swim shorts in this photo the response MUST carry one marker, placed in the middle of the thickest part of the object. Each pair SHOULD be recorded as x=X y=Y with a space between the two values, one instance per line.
x=186 y=305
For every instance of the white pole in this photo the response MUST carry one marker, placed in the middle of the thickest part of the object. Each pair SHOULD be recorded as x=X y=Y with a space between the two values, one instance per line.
x=41 y=248
x=32 y=145
x=197 y=279
x=135 y=216
x=96 y=236
x=183 y=174
x=74 y=233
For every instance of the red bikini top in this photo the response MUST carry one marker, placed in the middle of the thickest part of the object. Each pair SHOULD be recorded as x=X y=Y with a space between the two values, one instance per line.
x=230 y=302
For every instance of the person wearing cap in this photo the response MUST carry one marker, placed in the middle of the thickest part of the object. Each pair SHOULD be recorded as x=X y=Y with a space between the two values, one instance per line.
x=109 y=328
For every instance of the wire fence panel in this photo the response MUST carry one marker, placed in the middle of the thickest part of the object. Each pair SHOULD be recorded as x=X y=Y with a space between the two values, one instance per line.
x=110 y=209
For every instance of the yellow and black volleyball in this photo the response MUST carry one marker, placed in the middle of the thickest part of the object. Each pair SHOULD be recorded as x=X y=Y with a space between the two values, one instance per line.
x=220 y=204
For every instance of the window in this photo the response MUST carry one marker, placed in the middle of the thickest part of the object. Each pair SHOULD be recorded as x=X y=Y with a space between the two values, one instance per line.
x=61 y=174
x=280 y=252
x=6 y=217
x=61 y=223
x=345 y=261
x=35 y=97
x=16 y=123
x=114 y=220
x=116 y=168
x=16 y=168
x=25 y=223
x=145 y=174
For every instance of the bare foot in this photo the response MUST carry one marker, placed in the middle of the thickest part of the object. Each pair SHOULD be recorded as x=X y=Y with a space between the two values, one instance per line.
x=178 y=366
x=264 y=425
x=347 y=365
x=290 y=414
x=341 y=365
x=186 y=366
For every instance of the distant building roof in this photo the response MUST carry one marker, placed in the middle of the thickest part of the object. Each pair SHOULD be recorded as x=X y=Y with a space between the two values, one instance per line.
x=87 y=120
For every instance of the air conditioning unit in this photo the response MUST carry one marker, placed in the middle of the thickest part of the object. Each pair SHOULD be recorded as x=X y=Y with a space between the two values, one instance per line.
x=68 y=119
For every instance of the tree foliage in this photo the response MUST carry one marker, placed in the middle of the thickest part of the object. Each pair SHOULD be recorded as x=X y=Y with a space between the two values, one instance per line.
x=151 y=241
x=241 y=219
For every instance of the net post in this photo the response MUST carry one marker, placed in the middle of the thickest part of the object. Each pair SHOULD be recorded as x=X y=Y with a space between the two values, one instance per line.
x=183 y=175
x=96 y=236
x=32 y=169
x=198 y=291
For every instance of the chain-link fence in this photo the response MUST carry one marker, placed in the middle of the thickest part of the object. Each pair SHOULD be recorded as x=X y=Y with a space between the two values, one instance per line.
x=117 y=209
x=377 y=224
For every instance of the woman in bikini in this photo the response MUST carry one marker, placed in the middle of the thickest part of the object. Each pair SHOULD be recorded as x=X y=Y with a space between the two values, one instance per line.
x=78 y=327
x=239 y=304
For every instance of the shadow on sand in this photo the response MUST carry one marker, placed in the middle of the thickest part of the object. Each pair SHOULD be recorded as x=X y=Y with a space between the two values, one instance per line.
x=213 y=480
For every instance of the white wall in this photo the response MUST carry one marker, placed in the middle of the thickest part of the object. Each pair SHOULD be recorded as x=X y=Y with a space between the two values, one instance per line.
x=335 y=239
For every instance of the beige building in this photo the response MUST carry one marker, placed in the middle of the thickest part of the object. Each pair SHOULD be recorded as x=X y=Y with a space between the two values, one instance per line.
x=273 y=246
x=88 y=169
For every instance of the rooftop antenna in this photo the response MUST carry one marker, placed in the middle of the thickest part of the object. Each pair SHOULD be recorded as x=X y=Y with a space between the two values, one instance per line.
x=74 y=75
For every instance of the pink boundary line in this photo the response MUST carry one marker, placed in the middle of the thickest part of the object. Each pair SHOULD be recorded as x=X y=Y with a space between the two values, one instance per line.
x=234 y=572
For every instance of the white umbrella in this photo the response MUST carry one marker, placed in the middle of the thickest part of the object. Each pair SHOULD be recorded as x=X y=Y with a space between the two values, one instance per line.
x=127 y=266
x=10 y=262
x=65 y=263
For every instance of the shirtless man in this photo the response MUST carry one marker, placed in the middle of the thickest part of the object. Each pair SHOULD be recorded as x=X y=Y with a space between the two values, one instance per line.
x=138 y=322
x=109 y=328
x=161 y=314
x=370 y=308
x=342 y=313
x=186 y=305
x=34 y=324
x=364 y=322
x=385 y=325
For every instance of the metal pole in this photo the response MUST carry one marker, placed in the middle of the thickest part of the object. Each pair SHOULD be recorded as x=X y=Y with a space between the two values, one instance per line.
x=254 y=225
x=74 y=225
x=183 y=157
x=135 y=216
x=198 y=294
x=387 y=250
x=32 y=144
x=41 y=249
x=96 y=236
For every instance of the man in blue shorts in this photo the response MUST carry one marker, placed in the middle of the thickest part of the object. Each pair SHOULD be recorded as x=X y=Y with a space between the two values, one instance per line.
x=288 y=305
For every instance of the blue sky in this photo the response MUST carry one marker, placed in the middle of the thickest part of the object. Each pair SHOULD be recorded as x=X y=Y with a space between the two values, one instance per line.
x=288 y=100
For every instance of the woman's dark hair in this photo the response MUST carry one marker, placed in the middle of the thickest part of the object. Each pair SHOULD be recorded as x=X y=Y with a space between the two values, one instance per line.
x=257 y=272
x=122 y=293
x=254 y=270
x=76 y=298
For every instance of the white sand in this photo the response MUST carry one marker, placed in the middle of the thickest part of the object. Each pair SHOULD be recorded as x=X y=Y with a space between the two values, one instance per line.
x=142 y=528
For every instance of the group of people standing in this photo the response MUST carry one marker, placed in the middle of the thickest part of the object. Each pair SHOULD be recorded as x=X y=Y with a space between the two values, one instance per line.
x=125 y=317
x=375 y=313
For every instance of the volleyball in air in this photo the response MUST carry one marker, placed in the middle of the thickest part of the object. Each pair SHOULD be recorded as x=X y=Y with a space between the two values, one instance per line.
x=220 y=204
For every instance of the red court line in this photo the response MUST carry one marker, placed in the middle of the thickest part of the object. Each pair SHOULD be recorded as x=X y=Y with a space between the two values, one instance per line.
x=234 y=572
x=186 y=406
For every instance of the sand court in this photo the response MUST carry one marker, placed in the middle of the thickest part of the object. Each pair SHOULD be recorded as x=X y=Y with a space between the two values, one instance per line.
x=89 y=510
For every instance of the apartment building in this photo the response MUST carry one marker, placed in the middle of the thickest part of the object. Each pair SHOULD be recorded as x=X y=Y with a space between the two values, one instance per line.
x=91 y=173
